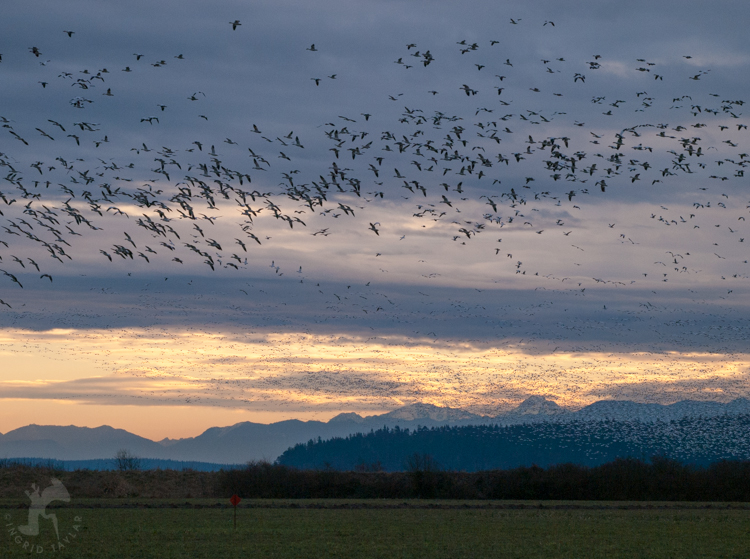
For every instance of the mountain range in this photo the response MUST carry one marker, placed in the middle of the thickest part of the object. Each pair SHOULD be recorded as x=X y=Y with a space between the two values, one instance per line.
x=247 y=441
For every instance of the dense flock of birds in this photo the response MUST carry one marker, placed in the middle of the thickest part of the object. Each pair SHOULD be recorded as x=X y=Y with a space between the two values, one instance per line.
x=496 y=169
x=524 y=160
x=701 y=440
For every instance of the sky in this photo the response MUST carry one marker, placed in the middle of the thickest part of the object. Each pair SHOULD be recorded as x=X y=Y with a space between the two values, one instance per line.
x=354 y=206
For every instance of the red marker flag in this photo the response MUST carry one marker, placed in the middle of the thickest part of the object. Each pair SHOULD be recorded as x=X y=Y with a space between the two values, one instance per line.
x=235 y=500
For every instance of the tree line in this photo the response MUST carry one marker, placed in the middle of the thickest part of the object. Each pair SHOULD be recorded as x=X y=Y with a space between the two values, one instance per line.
x=695 y=440
x=628 y=479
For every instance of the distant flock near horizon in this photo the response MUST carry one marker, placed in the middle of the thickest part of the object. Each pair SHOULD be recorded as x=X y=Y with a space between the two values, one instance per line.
x=687 y=430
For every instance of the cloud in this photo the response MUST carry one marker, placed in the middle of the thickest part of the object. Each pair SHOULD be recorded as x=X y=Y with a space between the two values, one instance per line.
x=590 y=201
x=307 y=372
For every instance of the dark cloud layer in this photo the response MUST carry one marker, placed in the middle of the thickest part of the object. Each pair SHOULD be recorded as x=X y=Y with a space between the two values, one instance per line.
x=547 y=317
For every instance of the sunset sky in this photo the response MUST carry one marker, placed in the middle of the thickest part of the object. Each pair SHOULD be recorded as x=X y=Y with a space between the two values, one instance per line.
x=462 y=204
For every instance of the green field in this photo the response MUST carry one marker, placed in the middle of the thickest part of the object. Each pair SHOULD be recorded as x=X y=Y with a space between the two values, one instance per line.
x=388 y=529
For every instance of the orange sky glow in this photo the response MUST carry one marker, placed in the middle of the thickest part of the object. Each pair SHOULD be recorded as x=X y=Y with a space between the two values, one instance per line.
x=176 y=383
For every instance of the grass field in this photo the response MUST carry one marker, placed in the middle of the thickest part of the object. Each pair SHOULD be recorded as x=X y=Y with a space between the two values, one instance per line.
x=387 y=529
